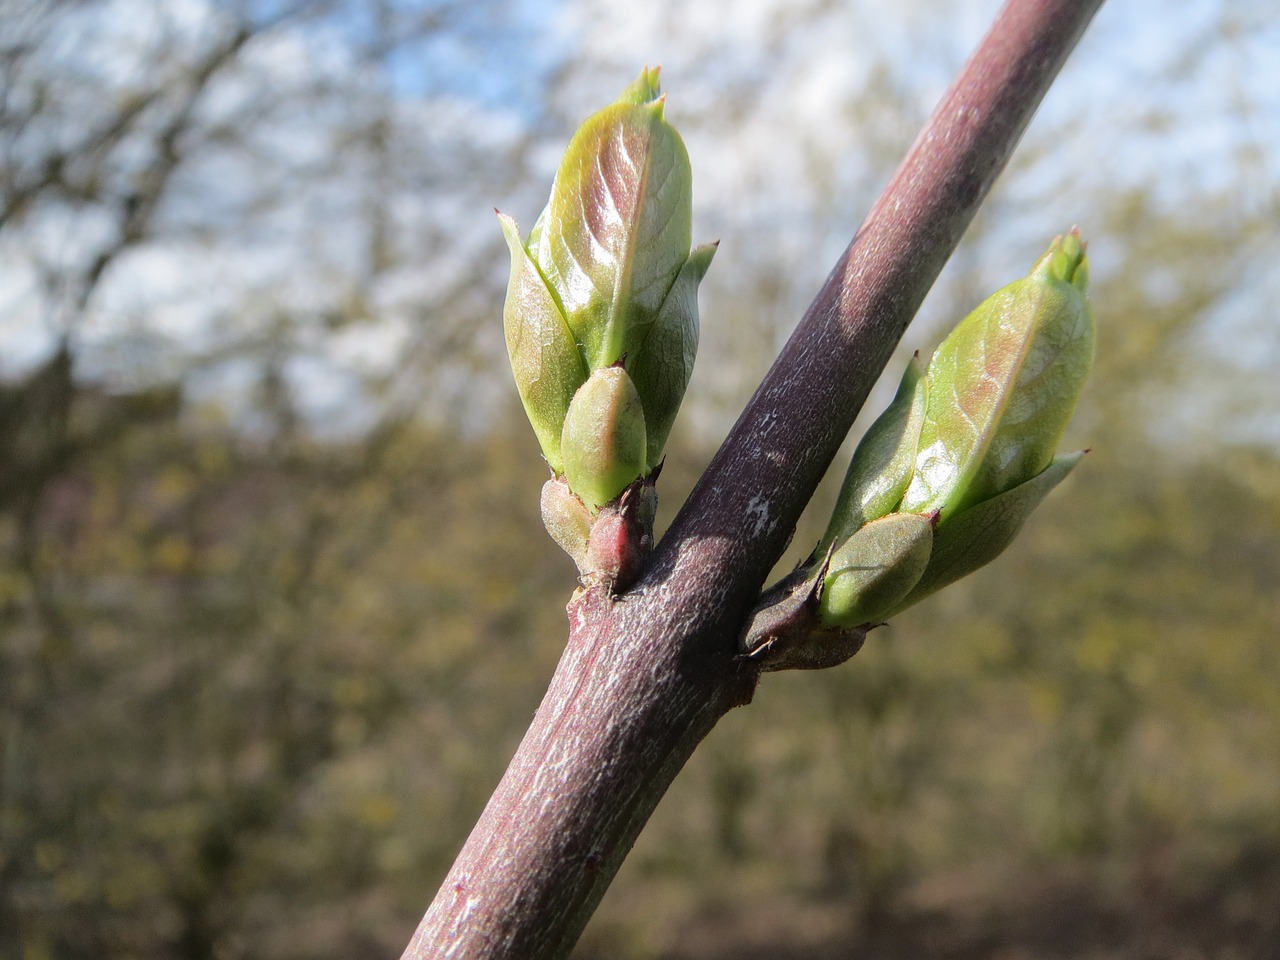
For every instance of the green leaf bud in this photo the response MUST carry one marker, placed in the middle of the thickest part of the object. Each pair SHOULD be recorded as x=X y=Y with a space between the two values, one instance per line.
x=607 y=274
x=875 y=569
x=945 y=478
x=603 y=444
x=976 y=536
x=881 y=466
x=1002 y=386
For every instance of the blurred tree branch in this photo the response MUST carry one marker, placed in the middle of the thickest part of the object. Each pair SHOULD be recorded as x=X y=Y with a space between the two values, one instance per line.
x=646 y=676
x=113 y=169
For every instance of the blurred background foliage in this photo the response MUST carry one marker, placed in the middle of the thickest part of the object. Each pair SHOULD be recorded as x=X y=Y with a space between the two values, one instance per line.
x=275 y=603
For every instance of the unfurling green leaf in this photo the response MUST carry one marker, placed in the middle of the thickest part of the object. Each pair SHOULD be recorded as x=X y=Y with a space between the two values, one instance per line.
x=544 y=358
x=1002 y=386
x=617 y=227
x=663 y=359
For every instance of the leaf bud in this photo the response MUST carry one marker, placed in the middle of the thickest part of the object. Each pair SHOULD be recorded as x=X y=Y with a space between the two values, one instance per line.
x=948 y=474
x=875 y=569
x=603 y=443
x=607 y=276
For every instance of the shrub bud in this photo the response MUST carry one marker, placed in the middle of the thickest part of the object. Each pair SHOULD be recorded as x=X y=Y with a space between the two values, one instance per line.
x=607 y=281
x=966 y=449
x=875 y=569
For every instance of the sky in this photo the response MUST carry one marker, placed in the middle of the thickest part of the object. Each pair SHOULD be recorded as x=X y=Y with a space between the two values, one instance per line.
x=794 y=114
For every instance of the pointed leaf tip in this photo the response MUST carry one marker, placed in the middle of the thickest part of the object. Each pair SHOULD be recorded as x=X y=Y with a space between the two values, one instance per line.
x=647 y=88
x=1066 y=260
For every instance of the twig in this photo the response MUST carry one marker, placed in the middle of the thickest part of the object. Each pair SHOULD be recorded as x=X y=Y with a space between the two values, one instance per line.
x=645 y=676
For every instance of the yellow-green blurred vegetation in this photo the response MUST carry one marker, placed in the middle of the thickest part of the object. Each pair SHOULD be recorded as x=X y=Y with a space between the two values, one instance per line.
x=261 y=664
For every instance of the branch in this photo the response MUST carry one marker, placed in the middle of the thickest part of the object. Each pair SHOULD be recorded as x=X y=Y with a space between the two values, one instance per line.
x=645 y=676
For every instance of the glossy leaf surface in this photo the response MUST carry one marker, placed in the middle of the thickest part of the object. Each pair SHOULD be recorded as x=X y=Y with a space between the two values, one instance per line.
x=1002 y=385
x=617 y=228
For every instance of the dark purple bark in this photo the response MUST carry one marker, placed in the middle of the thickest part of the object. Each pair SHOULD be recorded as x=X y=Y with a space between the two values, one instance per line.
x=645 y=676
